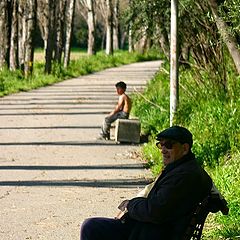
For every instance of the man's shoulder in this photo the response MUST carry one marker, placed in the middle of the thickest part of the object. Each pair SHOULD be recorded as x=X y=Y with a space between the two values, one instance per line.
x=192 y=169
x=190 y=166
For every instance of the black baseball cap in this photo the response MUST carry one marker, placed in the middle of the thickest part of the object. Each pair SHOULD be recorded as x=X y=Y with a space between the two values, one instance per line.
x=177 y=133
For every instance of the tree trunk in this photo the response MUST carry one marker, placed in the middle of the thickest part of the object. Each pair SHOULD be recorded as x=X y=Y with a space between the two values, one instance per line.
x=163 y=39
x=142 y=44
x=103 y=40
x=109 y=28
x=42 y=16
x=50 y=37
x=123 y=39
x=116 y=26
x=30 y=10
x=13 y=58
x=130 y=39
x=229 y=40
x=4 y=32
x=21 y=34
x=60 y=20
x=69 y=25
x=91 y=28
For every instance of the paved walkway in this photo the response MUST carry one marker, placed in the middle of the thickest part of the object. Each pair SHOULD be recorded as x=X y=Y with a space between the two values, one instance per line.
x=53 y=171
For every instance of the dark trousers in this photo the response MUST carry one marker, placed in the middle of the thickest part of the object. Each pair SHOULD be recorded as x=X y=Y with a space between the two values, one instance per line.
x=105 y=229
x=113 y=229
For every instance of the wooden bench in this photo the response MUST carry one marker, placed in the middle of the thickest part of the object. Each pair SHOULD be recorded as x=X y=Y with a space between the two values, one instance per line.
x=212 y=203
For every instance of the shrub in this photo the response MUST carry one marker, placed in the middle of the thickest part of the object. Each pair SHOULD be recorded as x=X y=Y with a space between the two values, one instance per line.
x=152 y=106
x=211 y=112
x=226 y=178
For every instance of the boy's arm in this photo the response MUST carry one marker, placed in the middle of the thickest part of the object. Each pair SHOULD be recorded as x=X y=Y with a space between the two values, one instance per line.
x=119 y=106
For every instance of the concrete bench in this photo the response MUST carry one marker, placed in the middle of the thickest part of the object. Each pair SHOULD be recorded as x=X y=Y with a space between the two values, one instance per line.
x=127 y=130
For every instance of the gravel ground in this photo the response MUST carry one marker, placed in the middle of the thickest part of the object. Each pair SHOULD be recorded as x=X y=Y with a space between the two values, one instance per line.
x=53 y=171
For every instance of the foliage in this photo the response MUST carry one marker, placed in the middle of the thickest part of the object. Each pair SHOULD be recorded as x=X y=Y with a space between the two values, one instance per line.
x=14 y=81
x=200 y=45
x=146 y=15
x=154 y=108
x=207 y=117
x=230 y=11
x=226 y=178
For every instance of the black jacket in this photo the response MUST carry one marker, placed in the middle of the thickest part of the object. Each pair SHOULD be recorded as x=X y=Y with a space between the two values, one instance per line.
x=164 y=214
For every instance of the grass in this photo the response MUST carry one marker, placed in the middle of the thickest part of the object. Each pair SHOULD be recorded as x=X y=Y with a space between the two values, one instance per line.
x=226 y=177
x=81 y=64
x=76 y=54
x=212 y=114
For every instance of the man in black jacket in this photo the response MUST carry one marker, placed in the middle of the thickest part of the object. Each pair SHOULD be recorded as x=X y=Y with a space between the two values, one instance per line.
x=162 y=210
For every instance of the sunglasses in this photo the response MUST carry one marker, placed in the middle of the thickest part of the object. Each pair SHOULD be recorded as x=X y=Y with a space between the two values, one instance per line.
x=167 y=144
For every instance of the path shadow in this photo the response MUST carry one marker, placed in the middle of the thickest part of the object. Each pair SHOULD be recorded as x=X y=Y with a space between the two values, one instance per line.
x=80 y=103
x=110 y=183
x=70 y=98
x=94 y=86
x=83 y=167
x=67 y=143
x=67 y=93
x=55 y=108
x=53 y=113
x=50 y=127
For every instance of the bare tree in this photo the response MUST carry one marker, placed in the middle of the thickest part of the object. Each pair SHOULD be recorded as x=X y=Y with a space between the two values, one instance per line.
x=4 y=32
x=101 y=16
x=30 y=24
x=55 y=19
x=87 y=10
x=91 y=28
x=60 y=29
x=50 y=35
x=13 y=61
x=109 y=27
x=116 y=25
x=42 y=17
x=109 y=12
x=21 y=33
x=130 y=38
x=130 y=33
x=229 y=40
x=69 y=25
x=17 y=30
x=52 y=24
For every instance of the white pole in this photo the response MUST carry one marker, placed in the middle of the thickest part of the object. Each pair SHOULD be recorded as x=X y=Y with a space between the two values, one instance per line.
x=174 y=61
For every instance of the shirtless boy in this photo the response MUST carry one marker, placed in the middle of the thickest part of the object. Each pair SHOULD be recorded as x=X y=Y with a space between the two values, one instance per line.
x=121 y=110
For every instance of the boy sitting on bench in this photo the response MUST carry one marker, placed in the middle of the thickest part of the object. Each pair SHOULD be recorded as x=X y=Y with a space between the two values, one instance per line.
x=121 y=110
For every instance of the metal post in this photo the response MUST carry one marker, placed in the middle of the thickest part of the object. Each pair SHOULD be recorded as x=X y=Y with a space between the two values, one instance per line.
x=174 y=61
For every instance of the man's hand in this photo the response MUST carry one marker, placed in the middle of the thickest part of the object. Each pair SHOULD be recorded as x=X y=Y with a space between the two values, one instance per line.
x=120 y=215
x=123 y=209
x=123 y=205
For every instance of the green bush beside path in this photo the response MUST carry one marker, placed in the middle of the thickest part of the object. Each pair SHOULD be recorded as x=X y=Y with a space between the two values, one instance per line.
x=212 y=114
